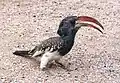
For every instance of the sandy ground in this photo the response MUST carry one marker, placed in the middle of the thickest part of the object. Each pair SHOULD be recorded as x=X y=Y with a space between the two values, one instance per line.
x=95 y=57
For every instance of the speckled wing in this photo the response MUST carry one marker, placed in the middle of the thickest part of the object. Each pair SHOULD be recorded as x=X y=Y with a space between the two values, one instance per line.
x=48 y=45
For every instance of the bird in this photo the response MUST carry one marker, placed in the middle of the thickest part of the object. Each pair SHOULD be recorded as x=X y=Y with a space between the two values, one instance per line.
x=54 y=48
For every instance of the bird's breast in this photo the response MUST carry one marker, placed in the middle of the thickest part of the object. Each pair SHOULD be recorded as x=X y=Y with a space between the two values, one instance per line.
x=65 y=48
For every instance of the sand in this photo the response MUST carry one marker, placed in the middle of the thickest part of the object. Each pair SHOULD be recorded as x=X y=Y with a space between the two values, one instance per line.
x=94 y=58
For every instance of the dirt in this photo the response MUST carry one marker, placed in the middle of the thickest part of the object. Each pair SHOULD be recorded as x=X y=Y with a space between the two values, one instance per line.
x=94 y=58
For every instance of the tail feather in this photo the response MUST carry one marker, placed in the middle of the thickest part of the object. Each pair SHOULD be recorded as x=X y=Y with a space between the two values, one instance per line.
x=22 y=53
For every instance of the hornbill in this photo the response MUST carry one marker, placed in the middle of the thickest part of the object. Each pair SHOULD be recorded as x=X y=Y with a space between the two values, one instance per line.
x=55 y=47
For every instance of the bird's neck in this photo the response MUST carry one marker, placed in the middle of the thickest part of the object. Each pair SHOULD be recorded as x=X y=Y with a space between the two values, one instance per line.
x=68 y=43
x=69 y=38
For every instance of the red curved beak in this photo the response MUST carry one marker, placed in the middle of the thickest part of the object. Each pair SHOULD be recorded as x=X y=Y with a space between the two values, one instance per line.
x=83 y=19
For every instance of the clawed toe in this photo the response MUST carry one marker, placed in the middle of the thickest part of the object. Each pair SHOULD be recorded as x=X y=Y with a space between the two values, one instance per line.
x=61 y=65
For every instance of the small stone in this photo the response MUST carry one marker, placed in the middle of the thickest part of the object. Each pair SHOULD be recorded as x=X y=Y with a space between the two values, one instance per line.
x=76 y=68
x=46 y=30
x=2 y=80
x=34 y=20
x=69 y=63
x=20 y=35
x=68 y=72
x=111 y=70
x=34 y=15
x=76 y=76
x=104 y=65
x=23 y=76
x=18 y=4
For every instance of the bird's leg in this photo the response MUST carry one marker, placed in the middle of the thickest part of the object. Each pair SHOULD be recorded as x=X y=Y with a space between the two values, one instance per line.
x=60 y=64
x=44 y=61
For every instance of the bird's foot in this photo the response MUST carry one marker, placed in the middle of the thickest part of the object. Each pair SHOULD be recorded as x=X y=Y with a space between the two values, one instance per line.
x=62 y=66
x=43 y=69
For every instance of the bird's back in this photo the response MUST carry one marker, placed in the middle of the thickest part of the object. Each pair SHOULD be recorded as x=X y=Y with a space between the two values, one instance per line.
x=62 y=46
x=52 y=44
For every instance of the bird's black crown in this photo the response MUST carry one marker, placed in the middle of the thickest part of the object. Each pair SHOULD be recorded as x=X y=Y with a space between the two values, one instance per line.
x=66 y=25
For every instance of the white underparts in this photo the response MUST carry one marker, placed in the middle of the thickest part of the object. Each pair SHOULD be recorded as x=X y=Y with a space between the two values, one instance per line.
x=46 y=57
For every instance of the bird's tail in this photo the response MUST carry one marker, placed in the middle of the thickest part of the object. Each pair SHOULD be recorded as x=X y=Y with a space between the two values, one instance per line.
x=22 y=53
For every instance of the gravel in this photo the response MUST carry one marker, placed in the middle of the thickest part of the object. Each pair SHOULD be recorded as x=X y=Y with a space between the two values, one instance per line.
x=95 y=57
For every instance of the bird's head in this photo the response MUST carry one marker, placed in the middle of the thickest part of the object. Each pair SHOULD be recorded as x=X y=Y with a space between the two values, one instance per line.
x=71 y=24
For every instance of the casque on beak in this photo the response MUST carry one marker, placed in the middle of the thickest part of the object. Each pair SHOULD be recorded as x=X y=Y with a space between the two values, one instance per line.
x=86 y=21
